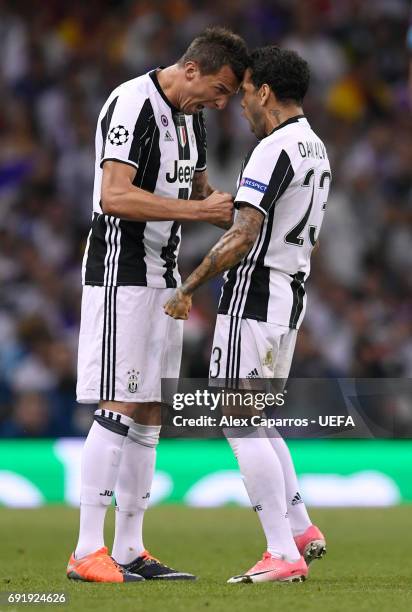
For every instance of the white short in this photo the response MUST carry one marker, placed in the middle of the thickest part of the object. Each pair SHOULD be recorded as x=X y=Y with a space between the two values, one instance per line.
x=126 y=344
x=245 y=348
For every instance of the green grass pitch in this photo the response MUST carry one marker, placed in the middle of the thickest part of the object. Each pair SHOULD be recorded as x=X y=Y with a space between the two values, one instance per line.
x=368 y=565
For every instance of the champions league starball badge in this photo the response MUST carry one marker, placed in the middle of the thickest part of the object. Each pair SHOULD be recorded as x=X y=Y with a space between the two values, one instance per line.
x=118 y=135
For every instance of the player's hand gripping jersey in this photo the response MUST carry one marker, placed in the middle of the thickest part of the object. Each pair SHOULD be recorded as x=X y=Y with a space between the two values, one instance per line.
x=139 y=126
x=287 y=178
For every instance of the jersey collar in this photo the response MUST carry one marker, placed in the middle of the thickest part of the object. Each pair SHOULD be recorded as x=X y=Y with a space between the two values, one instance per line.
x=294 y=119
x=153 y=76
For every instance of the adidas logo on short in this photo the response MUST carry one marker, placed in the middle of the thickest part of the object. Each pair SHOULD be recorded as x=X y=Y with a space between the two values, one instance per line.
x=253 y=374
x=297 y=499
x=168 y=137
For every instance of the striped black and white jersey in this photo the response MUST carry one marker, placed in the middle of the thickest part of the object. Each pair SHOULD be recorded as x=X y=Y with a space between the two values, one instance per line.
x=287 y=177
x=139 y=126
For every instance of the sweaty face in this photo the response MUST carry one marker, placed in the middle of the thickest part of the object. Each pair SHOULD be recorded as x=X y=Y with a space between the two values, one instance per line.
x=207 y=90
x=252 y=109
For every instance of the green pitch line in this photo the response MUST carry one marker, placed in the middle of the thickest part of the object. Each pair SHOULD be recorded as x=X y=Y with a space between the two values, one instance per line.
x=368 y=566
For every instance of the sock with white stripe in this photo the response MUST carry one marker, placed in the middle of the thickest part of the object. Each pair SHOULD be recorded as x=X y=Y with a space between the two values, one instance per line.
x=263 y=478
x=133 y=490
x=100 y=466
x=298 y=515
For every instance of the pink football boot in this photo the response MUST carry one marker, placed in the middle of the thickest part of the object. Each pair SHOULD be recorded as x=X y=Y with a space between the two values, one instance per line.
x=271 y=569
x=311 y=544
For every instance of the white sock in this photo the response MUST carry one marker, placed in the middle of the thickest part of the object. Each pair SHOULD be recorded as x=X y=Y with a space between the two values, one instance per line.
x=263 y=478
x=100 y=466
x=298 y=515
x=132 y=490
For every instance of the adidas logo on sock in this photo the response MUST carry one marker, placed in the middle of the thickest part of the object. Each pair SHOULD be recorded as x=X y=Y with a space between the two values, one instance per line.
x=253 y=374
x=297 y=499
x=168 y=137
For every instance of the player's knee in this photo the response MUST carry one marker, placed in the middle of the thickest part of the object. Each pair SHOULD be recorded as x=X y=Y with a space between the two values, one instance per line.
x=239 y=437
x=149 y=413
x=126 y=408
x=146 y=435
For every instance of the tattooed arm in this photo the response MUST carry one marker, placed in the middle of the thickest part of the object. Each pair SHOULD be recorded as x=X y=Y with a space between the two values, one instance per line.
x=231 y=248
x=200 y=186
x=201 y=189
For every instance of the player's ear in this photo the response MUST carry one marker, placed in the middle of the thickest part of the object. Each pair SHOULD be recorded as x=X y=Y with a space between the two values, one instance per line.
x=191 y=69
x=264 y=94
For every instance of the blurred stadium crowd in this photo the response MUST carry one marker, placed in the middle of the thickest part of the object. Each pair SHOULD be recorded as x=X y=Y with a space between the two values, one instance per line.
x=58 y=62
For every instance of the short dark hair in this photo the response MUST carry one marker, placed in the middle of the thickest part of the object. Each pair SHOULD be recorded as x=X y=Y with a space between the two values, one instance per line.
x=286 y=73
x=217 y=47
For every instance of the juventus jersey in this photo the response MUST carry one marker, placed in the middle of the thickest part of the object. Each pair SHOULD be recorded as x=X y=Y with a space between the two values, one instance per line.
x=139 y=126
x=286 y=177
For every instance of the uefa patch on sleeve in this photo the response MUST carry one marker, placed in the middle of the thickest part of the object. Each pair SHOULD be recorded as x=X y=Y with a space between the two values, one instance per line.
x=252 y=184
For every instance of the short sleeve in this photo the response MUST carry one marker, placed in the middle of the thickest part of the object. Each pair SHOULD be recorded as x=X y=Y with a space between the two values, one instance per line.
x=200 y=134
x=265 y=178
x=124 y=127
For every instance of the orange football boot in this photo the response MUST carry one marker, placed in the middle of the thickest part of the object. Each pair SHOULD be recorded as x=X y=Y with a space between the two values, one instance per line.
x=98 y=567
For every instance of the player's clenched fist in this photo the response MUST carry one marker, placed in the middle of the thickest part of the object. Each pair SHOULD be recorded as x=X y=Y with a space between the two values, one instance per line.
x=218 y=208
x=179 y=305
